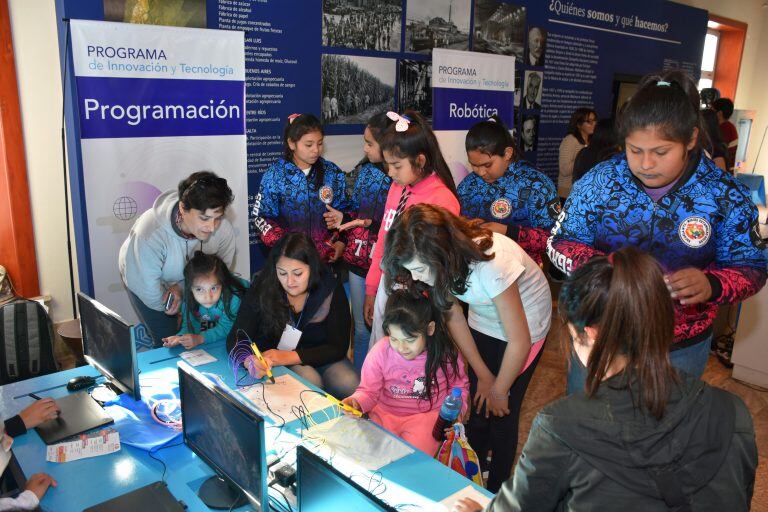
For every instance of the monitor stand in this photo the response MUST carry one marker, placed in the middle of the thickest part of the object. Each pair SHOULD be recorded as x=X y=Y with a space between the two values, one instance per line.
x=104 y=393
x=217 y=494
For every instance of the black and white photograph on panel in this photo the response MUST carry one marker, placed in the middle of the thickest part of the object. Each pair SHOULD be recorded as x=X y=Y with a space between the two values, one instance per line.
x=437 y=24
x=499 y=28
x=415 y=91
x=534 y=81
x=537 y=46
x=529 y=135
x=363 y=24
x=354 y=88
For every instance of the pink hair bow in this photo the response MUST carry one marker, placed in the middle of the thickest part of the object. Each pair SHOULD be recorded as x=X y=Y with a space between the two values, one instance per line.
x=401 y=122
x=292 y=117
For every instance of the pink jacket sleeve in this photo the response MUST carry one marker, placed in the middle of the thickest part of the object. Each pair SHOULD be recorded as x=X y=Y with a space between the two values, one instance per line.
x=371 y=377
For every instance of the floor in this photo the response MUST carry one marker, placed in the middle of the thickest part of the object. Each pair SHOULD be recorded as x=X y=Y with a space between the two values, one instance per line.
x=548 y=383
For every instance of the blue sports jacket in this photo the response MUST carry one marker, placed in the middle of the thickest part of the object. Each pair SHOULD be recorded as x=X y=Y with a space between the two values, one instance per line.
x=289 y=201
x=367 y=202
x=706 y=221
x=523 y=199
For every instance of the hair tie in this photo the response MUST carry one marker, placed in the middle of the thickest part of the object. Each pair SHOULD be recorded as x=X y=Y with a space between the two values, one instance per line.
x=491 y=120
x=292 y=117
x=401 y=122
x=663 y=83
x=610 y=258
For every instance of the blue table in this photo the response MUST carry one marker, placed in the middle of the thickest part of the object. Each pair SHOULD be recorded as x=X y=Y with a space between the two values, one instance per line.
x=86 y=482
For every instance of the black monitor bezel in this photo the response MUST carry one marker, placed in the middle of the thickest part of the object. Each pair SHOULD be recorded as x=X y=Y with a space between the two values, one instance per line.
x=252 y=415
x=302 y=453
x=134 y=388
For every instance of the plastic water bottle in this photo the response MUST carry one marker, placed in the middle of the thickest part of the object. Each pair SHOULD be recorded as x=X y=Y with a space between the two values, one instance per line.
x=448 y=413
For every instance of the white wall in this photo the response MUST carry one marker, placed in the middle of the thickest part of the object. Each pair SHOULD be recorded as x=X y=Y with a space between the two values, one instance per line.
x=33 y=26
x=753 y=76
x=35 y=45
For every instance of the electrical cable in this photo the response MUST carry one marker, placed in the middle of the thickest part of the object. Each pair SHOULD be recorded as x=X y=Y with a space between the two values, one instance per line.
x=155 y=450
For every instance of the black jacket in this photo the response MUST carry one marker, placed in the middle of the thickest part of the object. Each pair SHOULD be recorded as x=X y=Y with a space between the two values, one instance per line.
x=325 y=324
x=604 y=454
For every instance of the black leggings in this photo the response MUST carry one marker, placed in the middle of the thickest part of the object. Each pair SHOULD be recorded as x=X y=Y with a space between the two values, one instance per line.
x=497 y=434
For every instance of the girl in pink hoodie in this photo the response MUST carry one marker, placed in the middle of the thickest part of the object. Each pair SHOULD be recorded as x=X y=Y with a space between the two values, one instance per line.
x=409 y=372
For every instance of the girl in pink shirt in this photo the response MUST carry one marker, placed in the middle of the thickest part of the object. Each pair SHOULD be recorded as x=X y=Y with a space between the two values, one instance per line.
x=409 y=372
x=419 y=175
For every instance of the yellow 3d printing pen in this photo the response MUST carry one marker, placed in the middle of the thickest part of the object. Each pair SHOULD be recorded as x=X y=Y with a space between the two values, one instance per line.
x=260 y=357
x=344 y=406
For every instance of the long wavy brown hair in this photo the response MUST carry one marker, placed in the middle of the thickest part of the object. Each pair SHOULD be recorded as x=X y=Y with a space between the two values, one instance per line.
x=448 y=244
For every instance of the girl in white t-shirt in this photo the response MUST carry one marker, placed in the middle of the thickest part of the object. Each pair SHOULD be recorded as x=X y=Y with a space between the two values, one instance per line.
x=510 y=307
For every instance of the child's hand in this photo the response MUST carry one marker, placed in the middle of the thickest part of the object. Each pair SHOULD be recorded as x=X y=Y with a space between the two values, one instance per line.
x=333 y=217
x=355 y=223
x=254 y=367
x=483 y=394
x=39 y=483
x=41 y=411
x=350 y=401
x=466 y=505
x=189 y=341
x=338 y=250
x=171 y=341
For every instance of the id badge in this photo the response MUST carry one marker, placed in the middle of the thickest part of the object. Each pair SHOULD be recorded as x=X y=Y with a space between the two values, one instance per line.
x=290 y=338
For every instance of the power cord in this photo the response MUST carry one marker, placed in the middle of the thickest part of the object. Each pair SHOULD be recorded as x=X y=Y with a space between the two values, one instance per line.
x=155 y=450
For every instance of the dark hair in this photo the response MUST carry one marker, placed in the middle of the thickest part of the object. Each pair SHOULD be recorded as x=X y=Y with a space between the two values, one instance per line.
x=377 y=124
x=412 y=314
x=491 y=137
x=202 y=264
x=626 y=300
x=723 y=105
x=203 y=190
x=578 y=118
x=294 y=130
x=673 y=109
x=446 y=243
x=602 y=145
x=271 y=299
x=712 y=139
x=419 y=139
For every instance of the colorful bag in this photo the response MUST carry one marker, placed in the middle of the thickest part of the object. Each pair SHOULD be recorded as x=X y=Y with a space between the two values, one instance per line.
x=459 y=456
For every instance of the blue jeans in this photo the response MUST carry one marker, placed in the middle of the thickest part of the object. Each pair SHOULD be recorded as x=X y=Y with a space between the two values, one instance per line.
x=362 y=333
x=691 y=360
x=339 y=379
x=158 y=325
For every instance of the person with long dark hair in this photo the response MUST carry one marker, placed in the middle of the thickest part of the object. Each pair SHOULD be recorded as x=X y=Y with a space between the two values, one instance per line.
x=713 y=141
x=297 y=189
x=641 y=435
x=361 y=225
x=212 y=296
x=509 y=194
x=297 y=313
x=453 y=259
x=163 y=238
x=408 y=373
x=580 y=129
x=665 y=197
x=419 y=175
x=603 y=144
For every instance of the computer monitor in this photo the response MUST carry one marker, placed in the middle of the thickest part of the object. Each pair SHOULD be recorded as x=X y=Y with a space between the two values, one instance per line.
x=229 y=436
x=322 y=487
x=108 y=345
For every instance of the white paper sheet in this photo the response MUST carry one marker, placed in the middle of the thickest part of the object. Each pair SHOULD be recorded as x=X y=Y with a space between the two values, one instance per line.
x=281 y=396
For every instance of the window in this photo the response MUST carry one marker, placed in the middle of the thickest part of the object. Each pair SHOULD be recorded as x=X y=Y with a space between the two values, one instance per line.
x=711 y=41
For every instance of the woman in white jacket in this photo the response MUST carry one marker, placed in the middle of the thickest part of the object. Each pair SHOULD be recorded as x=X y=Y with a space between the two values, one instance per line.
x=163 y=239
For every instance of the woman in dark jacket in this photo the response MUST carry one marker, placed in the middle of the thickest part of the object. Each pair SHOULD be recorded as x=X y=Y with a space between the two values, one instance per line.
x=641 y=436
x=298 y=315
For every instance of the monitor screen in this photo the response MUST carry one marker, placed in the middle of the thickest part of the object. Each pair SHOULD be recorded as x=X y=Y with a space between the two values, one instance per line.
x=108 y=345
x=225 y=433
x=322 y=487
